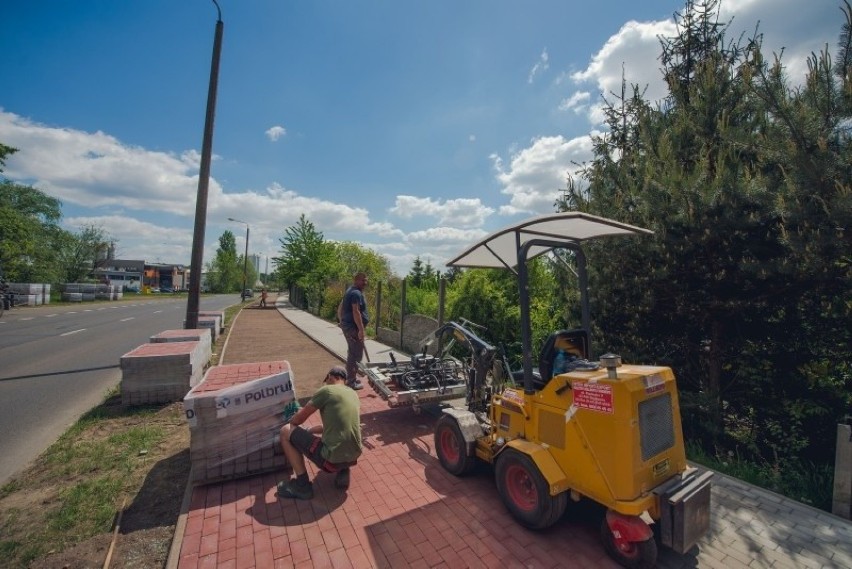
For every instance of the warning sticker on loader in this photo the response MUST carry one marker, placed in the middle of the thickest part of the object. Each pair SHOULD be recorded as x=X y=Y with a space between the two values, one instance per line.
x=593 y=396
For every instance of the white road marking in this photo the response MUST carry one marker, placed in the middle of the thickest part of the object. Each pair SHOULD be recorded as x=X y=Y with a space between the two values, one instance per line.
x=126 y=319
x=72 y=332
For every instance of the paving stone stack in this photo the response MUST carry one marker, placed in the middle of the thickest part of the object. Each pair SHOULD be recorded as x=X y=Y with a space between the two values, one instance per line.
x=30 y=294
x=161 y=372
x=220 y=314
x=212 y=323
x=234 y=416
x=202 y=335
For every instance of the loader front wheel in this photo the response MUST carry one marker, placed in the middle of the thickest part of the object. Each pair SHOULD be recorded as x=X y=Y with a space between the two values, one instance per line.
x=451 y=447
x=525 y=492
x=630 y=554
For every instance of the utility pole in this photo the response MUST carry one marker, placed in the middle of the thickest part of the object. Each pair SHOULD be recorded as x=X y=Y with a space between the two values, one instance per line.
x=197 y=262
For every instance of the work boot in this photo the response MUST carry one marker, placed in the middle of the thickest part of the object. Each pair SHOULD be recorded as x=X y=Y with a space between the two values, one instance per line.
x=294 y=489
x=342 y=479
x=355 y=384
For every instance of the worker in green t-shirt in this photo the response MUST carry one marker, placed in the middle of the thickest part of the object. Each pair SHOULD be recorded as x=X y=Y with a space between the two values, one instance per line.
x=339 y=446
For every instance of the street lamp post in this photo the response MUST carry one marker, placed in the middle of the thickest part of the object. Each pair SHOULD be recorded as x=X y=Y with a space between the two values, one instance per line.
x=245 y=258
x=193 y=300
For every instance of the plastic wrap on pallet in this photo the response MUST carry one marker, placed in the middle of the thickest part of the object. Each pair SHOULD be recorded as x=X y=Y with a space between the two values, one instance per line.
x=234 y=417
x=30 y=294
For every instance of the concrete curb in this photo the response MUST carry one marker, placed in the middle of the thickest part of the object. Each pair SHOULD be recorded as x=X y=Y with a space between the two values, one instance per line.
x=173 y=559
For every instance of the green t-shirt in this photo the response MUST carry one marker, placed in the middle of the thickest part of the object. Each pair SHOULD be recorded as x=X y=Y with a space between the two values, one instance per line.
x=340 y=410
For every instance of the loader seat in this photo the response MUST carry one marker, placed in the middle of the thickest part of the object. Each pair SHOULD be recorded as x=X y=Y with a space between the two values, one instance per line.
x=518 y=378
x=574 y=342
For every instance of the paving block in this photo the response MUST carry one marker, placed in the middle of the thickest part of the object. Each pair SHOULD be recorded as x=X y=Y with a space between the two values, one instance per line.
x=161 y=372
x=220 y=314
x=203 y=335
x=234 y=416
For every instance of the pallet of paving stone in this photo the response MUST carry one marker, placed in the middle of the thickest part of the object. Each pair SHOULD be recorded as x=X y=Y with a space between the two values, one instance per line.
x=212 y=323
x=161 y=372
x=234 y=417
x=203 y=335
x=220 y=314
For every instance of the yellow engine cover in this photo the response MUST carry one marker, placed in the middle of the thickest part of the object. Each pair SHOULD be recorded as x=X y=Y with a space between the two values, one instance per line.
x=614 y=439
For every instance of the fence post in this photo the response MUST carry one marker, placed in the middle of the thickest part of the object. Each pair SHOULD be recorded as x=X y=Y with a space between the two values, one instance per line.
x=842 y=504
x=402 y=311
x=378 y=306
x=442 y=295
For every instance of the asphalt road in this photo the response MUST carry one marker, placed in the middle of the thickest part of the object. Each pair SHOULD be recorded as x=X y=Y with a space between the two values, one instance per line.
x=57 y=362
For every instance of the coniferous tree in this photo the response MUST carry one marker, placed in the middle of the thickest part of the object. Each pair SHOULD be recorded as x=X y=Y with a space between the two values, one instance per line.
x=746 y=184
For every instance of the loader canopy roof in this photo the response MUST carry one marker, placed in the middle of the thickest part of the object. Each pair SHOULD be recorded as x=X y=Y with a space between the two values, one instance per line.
x=500 y=249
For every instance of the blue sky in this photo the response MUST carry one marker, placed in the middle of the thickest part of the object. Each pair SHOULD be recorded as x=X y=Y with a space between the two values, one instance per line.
x=413 y=128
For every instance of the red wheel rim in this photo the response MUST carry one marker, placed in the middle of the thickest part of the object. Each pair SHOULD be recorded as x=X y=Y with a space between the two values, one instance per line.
x=449 y=446
x=628 y=549
x=521 y=488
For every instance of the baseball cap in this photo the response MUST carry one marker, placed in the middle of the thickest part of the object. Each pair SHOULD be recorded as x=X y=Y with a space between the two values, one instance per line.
x=337 y=371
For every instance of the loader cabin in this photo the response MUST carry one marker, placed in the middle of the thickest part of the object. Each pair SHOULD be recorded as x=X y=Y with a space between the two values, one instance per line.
x=510 y=248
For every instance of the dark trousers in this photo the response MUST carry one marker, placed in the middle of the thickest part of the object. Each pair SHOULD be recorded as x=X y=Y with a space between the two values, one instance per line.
x=354 y=353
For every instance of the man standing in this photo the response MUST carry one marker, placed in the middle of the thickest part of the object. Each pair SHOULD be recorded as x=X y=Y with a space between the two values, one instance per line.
x=340 y=445
x=353 y=318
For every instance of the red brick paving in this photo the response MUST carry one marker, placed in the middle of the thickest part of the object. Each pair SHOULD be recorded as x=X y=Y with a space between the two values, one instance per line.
x=401 y=510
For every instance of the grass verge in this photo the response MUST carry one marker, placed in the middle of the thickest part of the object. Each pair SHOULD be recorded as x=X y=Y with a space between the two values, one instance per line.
x=81 y=480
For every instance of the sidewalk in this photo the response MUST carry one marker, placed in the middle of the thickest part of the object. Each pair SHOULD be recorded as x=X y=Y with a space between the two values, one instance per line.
x=403 y=510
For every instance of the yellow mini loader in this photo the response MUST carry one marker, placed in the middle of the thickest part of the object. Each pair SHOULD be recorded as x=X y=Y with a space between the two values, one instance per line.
x=603 y=430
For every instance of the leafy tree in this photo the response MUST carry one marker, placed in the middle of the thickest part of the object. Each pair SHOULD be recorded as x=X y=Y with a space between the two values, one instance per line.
x=490 y=298
x=78 y=254
x=349 y=258
x=29 y=227
x=306 y=260
x=225 y=273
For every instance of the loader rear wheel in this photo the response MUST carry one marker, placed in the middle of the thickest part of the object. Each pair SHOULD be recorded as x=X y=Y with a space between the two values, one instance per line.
x=526 y=493
x=451 y=447
x=630 y=554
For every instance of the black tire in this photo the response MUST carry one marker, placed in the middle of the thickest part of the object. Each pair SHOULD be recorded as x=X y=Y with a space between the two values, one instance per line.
x=451 y=448
x=634 y=554
x=525 y=492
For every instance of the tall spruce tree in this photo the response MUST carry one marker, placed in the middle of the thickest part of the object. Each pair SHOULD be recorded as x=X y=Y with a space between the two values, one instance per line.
x=746 y=184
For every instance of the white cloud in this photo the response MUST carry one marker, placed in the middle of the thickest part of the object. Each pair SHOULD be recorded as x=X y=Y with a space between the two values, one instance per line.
x=462 y=212
x=276 y=132
x=632 y=54
x=535 y=174
x=540 y=66
x=98 y=171
x=94 y=168
x=576 y=102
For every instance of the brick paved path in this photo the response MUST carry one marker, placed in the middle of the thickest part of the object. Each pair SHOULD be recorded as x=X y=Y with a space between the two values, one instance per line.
x=403 y=510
